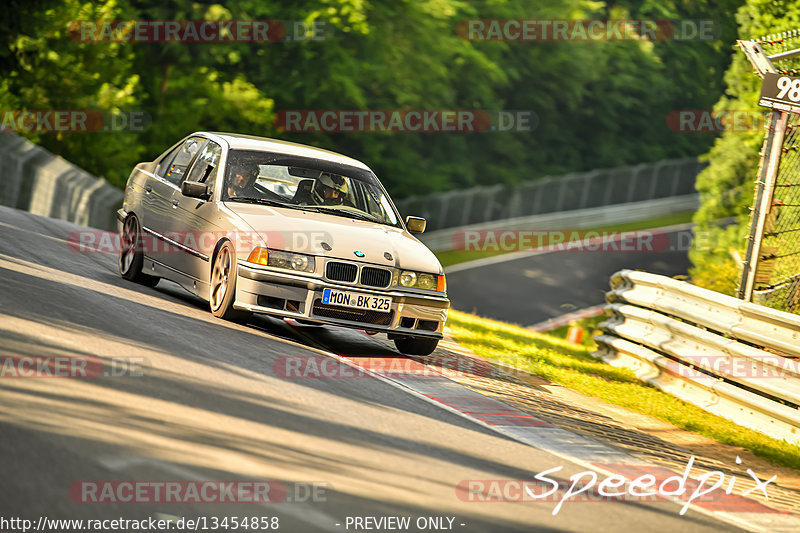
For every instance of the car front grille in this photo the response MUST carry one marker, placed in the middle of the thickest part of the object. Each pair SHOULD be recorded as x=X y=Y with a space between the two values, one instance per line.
x=375 y=277
x=363 y=316
x=337 y=271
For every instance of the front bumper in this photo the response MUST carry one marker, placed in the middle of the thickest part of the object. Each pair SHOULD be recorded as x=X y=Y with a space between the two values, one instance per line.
x=291 y=296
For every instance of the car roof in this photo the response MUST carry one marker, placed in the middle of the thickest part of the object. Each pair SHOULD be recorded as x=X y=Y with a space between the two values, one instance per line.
x=239 y=141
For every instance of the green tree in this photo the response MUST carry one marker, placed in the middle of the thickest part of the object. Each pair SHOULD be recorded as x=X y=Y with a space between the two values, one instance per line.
x=726 y=187
x=597 y=104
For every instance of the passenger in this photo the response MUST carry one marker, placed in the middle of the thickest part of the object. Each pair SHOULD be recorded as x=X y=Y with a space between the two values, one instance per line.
x=241 y=182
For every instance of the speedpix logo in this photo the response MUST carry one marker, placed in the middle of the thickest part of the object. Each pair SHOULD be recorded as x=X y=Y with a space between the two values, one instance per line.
x=713 y=490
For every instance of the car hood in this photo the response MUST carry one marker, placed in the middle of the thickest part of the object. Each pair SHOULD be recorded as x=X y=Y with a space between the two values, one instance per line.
x=305 y=231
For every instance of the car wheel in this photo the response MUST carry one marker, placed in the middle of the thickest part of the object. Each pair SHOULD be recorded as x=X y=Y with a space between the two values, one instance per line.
x=223 y=286
x=131 y=257
x=416 y=345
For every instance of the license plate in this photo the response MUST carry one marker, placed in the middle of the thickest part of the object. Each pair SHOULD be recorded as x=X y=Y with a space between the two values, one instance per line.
x=358 y=300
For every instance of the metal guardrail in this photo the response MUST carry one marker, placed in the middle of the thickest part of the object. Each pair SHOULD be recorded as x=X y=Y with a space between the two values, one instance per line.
x=594 y=217
x=733 y=358
x=555 y=194
x=35 y=180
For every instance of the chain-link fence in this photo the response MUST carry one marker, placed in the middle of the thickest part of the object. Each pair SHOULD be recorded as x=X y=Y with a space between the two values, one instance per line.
x=778 y=284
x=552 y=194
x=771 y=274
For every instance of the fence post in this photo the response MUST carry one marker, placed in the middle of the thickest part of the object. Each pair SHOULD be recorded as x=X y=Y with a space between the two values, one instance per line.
x=763 y=201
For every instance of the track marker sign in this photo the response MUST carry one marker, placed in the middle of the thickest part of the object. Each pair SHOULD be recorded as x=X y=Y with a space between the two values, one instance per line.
x=780 y=92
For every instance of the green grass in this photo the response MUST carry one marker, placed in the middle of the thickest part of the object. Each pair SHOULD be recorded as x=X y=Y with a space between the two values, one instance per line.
x=572 y=366
x=452 y=257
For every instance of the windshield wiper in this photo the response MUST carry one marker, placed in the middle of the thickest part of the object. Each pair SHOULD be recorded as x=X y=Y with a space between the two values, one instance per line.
x=263 y=201
x=348 y=214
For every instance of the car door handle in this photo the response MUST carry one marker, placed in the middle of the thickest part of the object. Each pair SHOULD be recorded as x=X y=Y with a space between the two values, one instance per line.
x=148 y=189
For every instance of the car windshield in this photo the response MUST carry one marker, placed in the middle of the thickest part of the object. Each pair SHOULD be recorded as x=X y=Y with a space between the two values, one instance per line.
x=301 y=183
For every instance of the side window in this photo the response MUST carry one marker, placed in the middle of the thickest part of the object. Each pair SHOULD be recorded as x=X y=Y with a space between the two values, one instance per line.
x=162 y=167
x=205 y=165
x=174 y=170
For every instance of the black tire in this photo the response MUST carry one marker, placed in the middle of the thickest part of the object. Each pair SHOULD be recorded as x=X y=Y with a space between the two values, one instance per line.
x=131 y=258
x=223 y=285
x=416 y=345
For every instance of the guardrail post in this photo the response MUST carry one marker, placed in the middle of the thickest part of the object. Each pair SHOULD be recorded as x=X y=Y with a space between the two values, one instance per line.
x=467 y=209
x=654 y=179
x=634 y=180
x=537 y=206
x=587 y=185
x=562 y=190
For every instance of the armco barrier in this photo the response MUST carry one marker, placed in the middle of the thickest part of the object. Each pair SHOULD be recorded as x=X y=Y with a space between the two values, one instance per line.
x=35 y=180
x=594 y=217
x=555 y=194
x=733 y=358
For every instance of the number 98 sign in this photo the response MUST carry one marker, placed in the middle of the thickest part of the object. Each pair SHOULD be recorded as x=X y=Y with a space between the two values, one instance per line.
x=780 y=92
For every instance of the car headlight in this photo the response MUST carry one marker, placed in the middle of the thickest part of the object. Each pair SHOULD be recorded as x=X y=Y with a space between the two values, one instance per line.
x=280 y=259
x=421 y=280
x=408 y=279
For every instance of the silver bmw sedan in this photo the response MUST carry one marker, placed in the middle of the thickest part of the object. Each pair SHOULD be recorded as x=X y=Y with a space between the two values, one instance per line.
x=256 y=225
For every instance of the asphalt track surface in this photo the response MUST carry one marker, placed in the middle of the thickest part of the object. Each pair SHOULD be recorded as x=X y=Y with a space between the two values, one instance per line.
x=527 y=288
x=209 y=405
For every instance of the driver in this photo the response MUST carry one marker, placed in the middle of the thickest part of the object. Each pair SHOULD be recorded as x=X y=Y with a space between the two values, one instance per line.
x=330 y=189
x=241 y=181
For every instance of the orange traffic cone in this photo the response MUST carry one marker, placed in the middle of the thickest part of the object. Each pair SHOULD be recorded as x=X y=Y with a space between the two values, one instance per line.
x=575 y=334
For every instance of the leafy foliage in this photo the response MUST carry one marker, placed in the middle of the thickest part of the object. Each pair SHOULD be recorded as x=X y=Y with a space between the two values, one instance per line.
x=597 y=104
x=726 y=186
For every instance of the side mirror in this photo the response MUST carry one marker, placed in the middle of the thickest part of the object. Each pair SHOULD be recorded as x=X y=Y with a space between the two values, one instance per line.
x=195 y=189
x=415 y=224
